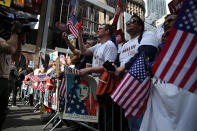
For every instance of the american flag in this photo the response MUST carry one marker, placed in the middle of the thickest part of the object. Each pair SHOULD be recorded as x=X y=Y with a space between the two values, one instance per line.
x=133 y=91
x=41 y=87
x=73 y=26
x=62 y=87
x=177 y=61
x=69 y=70
x=34 y=78
x=61 y=104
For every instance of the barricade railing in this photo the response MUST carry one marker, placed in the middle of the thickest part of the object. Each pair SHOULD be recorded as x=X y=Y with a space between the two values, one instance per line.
x=74 y=116
x=58 y=114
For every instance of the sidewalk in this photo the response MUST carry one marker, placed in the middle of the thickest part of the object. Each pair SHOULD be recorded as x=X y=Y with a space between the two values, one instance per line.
x=23 y=118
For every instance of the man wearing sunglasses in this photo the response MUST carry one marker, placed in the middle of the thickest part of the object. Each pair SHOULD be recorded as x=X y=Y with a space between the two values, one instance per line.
x=140 y=41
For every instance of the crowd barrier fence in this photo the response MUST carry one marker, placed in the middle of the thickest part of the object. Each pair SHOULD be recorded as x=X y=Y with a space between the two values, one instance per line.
x=87 y=99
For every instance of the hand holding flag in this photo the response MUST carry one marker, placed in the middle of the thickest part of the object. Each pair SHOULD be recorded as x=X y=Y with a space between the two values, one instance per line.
x=117 y=13
x=133 y=91
x=74 y=25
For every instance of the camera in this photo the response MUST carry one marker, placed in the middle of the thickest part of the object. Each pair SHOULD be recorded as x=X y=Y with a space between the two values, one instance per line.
x=11 y=21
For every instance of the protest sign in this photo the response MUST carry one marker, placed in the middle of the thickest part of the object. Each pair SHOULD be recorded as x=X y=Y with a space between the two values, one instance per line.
x=81 y=104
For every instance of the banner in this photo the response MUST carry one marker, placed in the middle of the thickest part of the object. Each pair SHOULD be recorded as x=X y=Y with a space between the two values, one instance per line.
x=53 y=56
x=54 y=101
x=19 y=3
x=46 y=92
x=5 y=2
x=81 y=104
x=169 y=108
x=50 y=99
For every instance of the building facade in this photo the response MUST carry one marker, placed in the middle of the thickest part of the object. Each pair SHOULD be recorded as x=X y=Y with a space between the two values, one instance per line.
x=130 y=6
x=92 y=13
x=136 y=7
x=156 y=9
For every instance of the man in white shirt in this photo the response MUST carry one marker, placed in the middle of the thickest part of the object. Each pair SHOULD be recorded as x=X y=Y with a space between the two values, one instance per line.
x=103 y=51
x=140 y=41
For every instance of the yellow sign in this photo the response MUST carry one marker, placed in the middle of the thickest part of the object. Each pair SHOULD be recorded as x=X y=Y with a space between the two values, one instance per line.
x=5 y=2
x=19 y=3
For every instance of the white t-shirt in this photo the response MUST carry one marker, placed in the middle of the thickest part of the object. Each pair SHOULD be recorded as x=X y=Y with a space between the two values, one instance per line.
x=103 y=52
x=129 y=49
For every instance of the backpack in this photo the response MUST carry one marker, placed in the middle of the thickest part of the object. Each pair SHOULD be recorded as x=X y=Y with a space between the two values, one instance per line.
x=104 y=89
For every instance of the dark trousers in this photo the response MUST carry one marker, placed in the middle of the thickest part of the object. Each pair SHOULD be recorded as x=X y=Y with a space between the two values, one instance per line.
x=105 y=118
x=111 y=118
x=31 y=100
x=135 y=123
x=4 y=96
x=14 y=95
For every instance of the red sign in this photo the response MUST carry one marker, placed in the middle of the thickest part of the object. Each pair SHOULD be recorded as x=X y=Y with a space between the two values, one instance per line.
x=119 y=36
x=117 y=13
x=175 y=6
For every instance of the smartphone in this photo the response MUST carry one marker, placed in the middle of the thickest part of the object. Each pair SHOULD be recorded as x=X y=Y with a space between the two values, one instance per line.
x=108 y=65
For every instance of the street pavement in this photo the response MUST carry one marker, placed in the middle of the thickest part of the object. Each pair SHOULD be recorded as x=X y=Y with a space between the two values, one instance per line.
x=23 y=118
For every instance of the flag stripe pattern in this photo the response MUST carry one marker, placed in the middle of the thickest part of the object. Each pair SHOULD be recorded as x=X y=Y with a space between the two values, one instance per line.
x=41 y=87
x=177 y=61
x=34 y=78
x=69 y=70
x=132 y=92
x=72 y=23
x=62 y=87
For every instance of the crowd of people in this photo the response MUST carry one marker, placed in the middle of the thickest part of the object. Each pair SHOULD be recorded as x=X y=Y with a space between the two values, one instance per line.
x=88 y=59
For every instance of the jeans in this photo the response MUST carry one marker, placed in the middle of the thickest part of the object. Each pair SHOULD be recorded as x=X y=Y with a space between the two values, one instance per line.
x=135 y=123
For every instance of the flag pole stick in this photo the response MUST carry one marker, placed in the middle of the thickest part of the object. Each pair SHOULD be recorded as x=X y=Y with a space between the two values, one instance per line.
x=98 y=79
x=68 y=11
x=60 y=20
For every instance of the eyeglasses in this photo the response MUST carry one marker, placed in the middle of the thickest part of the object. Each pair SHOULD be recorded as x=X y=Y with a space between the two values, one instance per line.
x=132 y=21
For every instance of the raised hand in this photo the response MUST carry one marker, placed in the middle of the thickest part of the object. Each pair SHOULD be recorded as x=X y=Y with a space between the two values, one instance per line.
x=64 y=36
